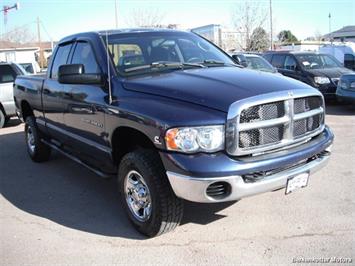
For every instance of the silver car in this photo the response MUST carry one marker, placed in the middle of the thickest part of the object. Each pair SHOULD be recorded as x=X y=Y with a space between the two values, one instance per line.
x=8 y=73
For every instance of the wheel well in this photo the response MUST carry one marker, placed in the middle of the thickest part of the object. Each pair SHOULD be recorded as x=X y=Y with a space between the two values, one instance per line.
x=125 y=139
x=26 y=110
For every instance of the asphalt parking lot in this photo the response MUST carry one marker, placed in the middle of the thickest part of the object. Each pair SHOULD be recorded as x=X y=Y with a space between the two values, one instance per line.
x=60 y=213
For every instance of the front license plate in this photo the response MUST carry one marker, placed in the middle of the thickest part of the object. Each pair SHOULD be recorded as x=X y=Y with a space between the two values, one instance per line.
x=296 y=182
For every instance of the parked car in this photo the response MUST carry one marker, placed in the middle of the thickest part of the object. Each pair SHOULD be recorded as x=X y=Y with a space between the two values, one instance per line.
x=321 y=71
x=178 y=121
x=8 y=73
x=346 y=89
x=253 y=61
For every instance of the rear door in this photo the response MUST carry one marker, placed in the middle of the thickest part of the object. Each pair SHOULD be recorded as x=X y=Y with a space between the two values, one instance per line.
x=53 y=95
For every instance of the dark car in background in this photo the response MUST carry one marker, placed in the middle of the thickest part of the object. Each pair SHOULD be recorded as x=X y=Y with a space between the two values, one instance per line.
x=253 y=61
x=346 y=89
x=321 y=71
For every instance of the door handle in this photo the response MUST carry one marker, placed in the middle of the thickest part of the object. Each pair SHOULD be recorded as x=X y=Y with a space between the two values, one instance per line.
x=82 y=109
x=68 y=95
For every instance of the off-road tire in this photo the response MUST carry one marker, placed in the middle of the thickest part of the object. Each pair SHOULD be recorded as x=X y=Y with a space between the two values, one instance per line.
x=40 y=151
x=167 y=209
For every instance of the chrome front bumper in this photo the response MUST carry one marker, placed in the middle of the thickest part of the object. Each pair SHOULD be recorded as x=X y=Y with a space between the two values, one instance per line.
x=194 y=189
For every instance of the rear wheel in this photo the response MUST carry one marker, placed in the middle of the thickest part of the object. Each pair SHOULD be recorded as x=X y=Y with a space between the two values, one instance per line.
x=37 y=150
x=2 y=119
x=149 y=201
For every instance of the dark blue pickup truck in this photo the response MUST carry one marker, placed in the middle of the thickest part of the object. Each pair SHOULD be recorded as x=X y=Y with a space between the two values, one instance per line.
x=172 y=117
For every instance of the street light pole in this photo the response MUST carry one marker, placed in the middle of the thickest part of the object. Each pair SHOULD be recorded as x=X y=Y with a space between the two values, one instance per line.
x=271 y=39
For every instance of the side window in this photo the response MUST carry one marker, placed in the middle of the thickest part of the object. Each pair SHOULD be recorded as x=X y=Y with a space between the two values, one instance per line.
x=7 y=74
x=84 y=54
x=268 y=57
x=278 y=60
x=290 y=63
x=61 y=58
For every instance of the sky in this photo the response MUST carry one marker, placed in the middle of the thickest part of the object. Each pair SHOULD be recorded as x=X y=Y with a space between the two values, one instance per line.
x=64 y=17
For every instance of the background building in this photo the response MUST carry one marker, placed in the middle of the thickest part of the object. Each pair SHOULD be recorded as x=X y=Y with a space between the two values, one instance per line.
x=227 y=39
x=24 y=53
x=345 y=34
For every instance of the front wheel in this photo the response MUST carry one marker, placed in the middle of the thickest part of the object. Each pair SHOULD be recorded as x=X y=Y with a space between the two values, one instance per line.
x=37 y=150
x=149 y=201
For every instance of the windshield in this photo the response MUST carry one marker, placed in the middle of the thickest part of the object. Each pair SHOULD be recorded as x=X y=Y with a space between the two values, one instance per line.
x=147 y=52
x=258 y=63
x=317 y=61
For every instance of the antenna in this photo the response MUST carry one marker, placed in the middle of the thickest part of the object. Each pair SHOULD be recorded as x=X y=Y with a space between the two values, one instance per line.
x=108 y=70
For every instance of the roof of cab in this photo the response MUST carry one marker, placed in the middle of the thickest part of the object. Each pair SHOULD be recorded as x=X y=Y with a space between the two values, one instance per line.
x=115 y=32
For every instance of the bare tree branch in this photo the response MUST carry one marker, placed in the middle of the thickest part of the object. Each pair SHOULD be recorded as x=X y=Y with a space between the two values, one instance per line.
x=246 y=17
x=19 y=35
x=145 y=18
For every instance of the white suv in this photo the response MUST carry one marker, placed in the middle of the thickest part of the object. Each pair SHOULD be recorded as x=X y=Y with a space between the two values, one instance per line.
x=8 y=73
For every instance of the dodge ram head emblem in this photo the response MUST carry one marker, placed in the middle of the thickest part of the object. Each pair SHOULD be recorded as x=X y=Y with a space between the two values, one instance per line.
x=290 y=93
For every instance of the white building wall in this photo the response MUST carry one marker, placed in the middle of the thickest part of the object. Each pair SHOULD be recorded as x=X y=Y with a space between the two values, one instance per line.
x=18 y=56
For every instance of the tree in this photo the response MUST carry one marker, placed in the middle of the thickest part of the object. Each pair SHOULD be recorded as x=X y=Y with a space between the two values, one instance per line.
x=19 y=35
x=146 y=18
x=286 y=36
x=248 y=16
x=259 y=40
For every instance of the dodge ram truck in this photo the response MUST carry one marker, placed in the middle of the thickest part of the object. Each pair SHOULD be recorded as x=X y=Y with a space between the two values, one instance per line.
x=173 y=118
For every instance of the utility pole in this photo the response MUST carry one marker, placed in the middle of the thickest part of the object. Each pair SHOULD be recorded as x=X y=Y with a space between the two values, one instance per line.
x=271 y=39
x=116 y=15
x=40 y=44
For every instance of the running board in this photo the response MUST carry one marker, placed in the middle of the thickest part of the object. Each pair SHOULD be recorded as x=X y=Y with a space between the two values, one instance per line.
x=75 y=159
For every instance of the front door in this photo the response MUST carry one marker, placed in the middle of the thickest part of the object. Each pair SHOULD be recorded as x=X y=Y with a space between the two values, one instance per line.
x=85 y=111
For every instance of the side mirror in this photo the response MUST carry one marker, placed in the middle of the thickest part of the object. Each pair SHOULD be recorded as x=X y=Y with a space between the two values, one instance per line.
x=75 y=74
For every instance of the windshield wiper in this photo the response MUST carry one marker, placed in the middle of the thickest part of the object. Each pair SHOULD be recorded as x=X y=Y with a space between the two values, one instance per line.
x=211 y=62
x=164 y=64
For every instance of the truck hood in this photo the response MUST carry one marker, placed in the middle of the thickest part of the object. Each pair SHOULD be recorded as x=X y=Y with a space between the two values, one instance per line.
x=335 y=72
x=215 y=87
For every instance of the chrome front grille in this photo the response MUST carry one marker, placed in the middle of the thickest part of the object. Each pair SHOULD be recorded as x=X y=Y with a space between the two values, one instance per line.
x=274 y=120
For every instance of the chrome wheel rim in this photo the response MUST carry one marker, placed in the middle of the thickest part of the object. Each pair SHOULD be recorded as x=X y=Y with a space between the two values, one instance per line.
x=30 y=140
x=137 y=196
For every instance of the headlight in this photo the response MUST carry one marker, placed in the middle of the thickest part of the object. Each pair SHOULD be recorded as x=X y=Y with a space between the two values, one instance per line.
x=343 y=85
x=321 y=80
x=195 y=139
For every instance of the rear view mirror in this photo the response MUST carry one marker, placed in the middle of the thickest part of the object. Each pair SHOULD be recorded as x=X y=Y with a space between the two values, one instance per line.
x=75 y=74
x=240 y=60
